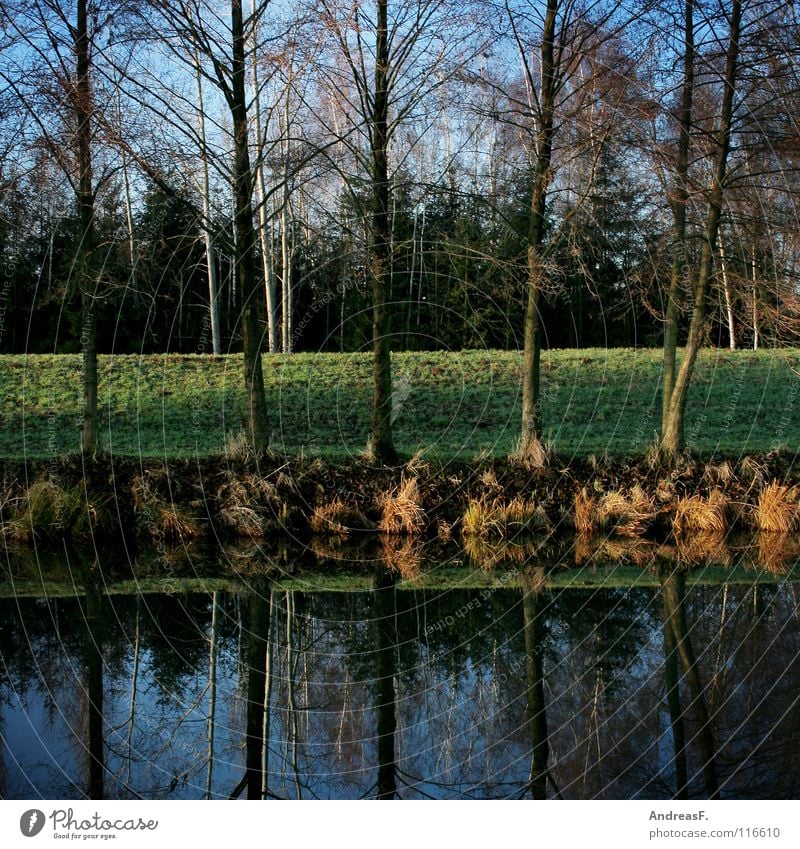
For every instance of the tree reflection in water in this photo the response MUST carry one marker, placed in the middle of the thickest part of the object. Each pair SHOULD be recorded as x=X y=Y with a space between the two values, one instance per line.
x=393 y=692
x=678 y=644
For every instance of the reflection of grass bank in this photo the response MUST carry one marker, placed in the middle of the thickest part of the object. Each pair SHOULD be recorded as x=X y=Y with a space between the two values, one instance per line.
x=455 y=404
x=356 y=568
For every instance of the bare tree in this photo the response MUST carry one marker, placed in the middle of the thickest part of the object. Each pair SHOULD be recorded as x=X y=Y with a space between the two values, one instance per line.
x=574 y=73
x=53 y=75
x=679 y=203
x=221 y=48
x=674 y=397
x=385 y=60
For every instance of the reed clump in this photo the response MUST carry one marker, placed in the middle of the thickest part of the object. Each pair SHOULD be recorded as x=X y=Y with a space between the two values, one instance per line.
x=401 y=509
x=337 y=517
x=241 y=502
x=585 y=513
x=777 y=509
x=495 y=517
x=50 y=510
x=704 y=514
x=235 y=513
x=158 y=518
x=627 y=514
x=532 y=454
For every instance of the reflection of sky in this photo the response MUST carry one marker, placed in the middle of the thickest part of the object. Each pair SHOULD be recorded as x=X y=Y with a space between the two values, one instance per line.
x=460 y=710
x=38 y=751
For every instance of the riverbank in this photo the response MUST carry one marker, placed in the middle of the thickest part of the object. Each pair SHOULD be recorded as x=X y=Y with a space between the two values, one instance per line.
x=173 y=503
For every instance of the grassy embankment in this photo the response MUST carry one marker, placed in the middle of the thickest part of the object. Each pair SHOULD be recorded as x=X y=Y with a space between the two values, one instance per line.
x=451 y=405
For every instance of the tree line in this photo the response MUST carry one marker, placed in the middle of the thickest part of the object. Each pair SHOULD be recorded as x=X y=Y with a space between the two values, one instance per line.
x=400 y=174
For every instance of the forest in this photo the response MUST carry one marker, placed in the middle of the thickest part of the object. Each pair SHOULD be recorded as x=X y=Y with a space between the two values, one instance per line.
x=318 y=176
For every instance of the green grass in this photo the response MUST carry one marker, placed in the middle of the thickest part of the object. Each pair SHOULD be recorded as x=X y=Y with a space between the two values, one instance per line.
x=457 y=404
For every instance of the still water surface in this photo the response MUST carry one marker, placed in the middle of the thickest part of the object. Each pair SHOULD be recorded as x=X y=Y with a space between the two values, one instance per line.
x=678 y=689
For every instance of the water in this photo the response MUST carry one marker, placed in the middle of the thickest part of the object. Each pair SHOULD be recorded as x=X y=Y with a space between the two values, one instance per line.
x=492 y=692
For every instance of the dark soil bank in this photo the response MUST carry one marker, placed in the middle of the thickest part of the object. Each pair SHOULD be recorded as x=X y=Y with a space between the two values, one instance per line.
x=245 y=496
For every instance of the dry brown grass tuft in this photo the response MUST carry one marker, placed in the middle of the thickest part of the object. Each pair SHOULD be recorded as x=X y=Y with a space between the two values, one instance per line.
x=159 y=519
x=235 y=513
x=337 y=517
x=238 y=447
x=719 y=474
x=629 y=515
x=777 y=509
x=239 y=500
x=496 y=517
x=478 y=521
x=534 y=454
x=444 y=530
x=752 y=472
x=697 y=513
x=585 y=549
x=418 y=465
x=243 y=521
x=259 y=487
x=174 y=526
x=401 y=510
x=585 y=513
x=50 y=510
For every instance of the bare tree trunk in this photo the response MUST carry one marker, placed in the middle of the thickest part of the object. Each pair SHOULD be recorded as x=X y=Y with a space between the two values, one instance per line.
x=286 y=263
x=126 y=184
x=679 y=270
x=86 y=237
x=530 y=441
x=381 y=443
x=211 y=265
x=257 y=642
x=264 y=230
x=755 y=296
x=672 y=439
x=293 y=729
x=252 y=293
x=267 y=261
x=726 y=288
x=267 y=703
x=134 y=687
